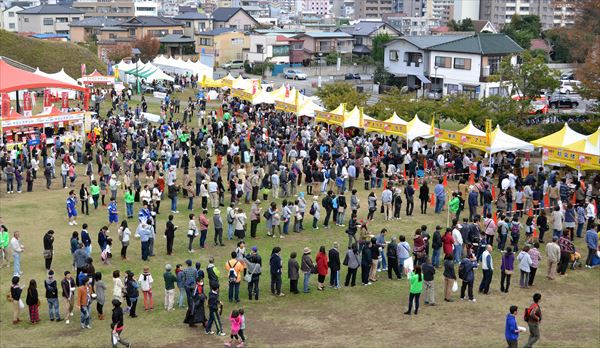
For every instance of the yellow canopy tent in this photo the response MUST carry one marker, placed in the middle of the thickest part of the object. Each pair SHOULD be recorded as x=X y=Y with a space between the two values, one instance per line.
x=208 y=82
x=336 y=116
x=554 y=147
x=356 y=118
x=226 y=81
x=586 y=151
x=472 y=137
x=279 y=93
x=393 y=125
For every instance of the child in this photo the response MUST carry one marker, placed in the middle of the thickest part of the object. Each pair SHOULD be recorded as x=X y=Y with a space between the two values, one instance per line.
x=15 y=298
x=236 y=323
x=242 y=327
x=100 y=297
x=214 y=316
x=105 y=255
x=33 y=302
x=113 y=215
x=529 y=229
x=146 y=285
x=515 y=230
x=117 y=324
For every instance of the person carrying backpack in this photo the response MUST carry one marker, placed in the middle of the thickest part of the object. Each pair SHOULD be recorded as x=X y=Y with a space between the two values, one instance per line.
x=467 y=275
x=533 y=317
x=234 y=268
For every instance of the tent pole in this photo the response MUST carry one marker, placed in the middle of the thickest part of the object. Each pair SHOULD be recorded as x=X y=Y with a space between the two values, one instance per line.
x=17 y=102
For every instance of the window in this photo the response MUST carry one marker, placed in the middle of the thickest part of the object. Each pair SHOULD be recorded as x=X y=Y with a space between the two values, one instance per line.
x=237 y=41
x=11 y=14
x=48 y=21
x=112 y=35
x=394 y=55
x=188 y=24
x=247 y=27
x=178 y=32
x=282 y=51
x=494 y=63
x=233 y=26
x=205 y=42
x=462 y=63
x=62 y=20
x=131 y=32
x=260 y=48
x=11 y=25
x=26 y=20
x=443 y=62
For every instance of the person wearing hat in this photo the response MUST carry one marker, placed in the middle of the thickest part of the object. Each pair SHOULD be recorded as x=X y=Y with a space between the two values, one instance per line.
x=52 y=296
x=218 y=226
x=307 y=267
x=255 y=212
x=170 y=281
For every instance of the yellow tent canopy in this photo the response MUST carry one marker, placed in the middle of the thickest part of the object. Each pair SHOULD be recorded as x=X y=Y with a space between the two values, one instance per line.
x=226 y=81
x=562 y=138
x=335 y=116
x=587 y=152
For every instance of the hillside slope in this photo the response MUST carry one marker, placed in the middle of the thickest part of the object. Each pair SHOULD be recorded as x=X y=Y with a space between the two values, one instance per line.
x=49 y=56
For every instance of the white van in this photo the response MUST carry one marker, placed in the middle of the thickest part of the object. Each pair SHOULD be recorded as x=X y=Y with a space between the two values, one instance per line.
x=569 y=86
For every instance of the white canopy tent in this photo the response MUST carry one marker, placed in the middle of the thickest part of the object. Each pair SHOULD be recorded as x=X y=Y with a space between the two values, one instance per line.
x=263 y=97
x=395 y=119
x=124 y=66
x=416 y=128
x=355 y=118
x=180 y=66
x=501 y=141
x=61 y=76
x=309 y=108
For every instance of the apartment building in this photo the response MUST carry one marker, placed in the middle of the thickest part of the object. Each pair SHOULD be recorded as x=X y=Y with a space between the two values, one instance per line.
x=499 y=13
x=365 y=9
x=47 y=19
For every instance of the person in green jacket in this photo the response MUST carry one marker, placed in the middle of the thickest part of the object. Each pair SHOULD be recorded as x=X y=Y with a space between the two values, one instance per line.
x=416 y=286
x=454 y=204
x=95 y=192
x=129 y=199
x=4 y=240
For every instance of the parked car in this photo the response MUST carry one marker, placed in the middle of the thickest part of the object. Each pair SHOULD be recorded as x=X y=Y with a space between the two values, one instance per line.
x=294 y=74
x=350 y=76
x=234 y=64
x=539 y=106
x=567 y=76
x=569 y=86
x=562 y=102
x=146 y=89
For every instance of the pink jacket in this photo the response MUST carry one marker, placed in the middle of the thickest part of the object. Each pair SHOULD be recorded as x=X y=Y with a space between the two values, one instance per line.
x=236 y=323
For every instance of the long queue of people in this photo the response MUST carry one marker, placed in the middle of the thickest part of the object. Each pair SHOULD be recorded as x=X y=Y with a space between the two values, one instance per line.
x=260 y=153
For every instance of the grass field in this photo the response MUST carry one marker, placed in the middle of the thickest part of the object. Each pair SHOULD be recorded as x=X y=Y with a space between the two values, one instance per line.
x=360 y=316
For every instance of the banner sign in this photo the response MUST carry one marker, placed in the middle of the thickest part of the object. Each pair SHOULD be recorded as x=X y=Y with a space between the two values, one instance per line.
x=159 y=95
x=572 y=159
x=31 y=121
x=65 y=101
x=47 y=98
x=285 y=107
x=27 y=105
x=323 y=116
x=5 y=105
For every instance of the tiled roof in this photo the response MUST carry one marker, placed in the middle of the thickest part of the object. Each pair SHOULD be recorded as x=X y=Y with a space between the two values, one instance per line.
x=50 y=9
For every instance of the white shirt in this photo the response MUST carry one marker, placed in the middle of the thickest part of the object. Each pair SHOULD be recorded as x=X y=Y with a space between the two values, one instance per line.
x=15 y=246
x=457 y=237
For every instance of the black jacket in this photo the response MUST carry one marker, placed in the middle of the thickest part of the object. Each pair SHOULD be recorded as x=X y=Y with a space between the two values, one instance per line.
x=48 y=241
x=366 y=258
x=51 y=288
x=170 y=231
x=436 y=243
x=334 y=259
x=213 y=301
x=117 y=318
x=275 y=264
x=428 y=271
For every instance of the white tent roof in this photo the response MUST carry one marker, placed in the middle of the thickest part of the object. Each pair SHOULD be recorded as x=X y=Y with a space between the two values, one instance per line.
x=470 y=129
x=123 y=66
x=159 y=75
x=416 y=128
x=352 y=119
x=60 y=76
x=501 y=141
x=309 y=108
x=395 y=119
x=262 y=96
x=183 y=66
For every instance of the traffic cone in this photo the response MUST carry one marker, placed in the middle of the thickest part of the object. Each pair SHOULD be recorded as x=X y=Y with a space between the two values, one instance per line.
x=495 y=218
x=535 y=232
x=546 y=201
x=493 y=192
x=445 y=182
x=404 y=172
x=416 y=184
x=425 y=164
x=530 y=212
x=471 y=179
x=432 y=200
x=385 y=183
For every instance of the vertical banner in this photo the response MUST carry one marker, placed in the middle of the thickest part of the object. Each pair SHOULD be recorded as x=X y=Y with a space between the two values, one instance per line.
x=27 y=105
x=82 y=70
x=287 y=90
x=254 y=86
x=65 y=101
x=47 y=100
x=488 y=131
x=5 y=105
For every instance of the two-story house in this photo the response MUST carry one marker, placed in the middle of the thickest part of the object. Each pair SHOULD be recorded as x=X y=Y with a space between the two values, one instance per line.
x=224 y=44
x=232 y=17
x=47 y=19
x=321 y=43
x=90 y=28
x=10 y=21
x=450 y=64
x=273 y=47
x=364 y=32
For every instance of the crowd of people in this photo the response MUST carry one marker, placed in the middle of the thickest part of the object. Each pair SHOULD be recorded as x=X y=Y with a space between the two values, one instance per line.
x=253 y=164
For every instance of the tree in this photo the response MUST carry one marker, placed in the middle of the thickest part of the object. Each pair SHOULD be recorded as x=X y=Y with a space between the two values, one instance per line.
x=379 y=42
x=462 y=25
x=522 y=29
x=395 y=100
x=333 y=94
x=148 y=47
x=528 y=78
x=589 y=73
x=117 y=53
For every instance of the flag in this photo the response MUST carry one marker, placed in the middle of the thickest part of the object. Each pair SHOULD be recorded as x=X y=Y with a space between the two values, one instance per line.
x=445 y=182
x=5 y=105
x=27 y=105
x=432 y=129
x=65 y=100
x=495 y=218
x=116 y=73
x=432 y=200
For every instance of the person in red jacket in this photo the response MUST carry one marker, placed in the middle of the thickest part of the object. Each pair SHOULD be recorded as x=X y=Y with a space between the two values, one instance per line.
x=322 y=267
x=448 y=242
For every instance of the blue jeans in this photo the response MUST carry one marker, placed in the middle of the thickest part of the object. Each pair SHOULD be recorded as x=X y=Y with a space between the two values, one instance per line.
x=579 y=230
x=401 y=264
x=64 y=181
x=203 y=238
x=181 y=297
x=286 y=226
x=9 y=185
x=435 y=257
x=457 y=253
x=439 y=204
x=53 y=308
x=17 y=264
x=382 y=264
x=557 y=233
x=129 y=207
x=174 y=203
x=306 y=281
x=502 y=242
x=191 y=203
x=487 y=208
x=229 y=231
x=234 y=292
x=86 y=316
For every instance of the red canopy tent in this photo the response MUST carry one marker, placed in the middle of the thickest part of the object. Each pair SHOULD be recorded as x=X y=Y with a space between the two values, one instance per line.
x=14 y=79
x=96 y=77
